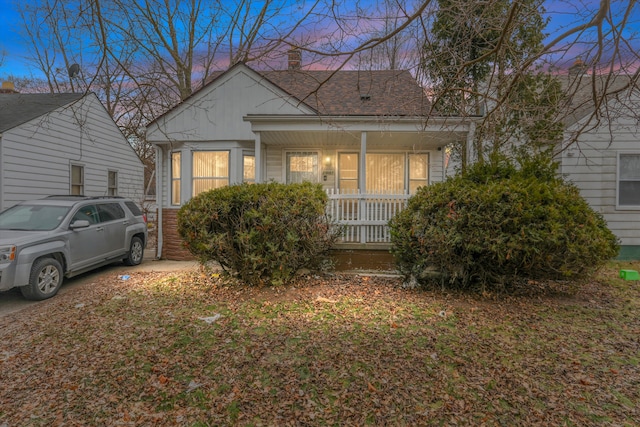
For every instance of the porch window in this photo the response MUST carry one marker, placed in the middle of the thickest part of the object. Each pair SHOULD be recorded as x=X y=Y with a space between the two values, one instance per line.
x=176 y=177
x=302 y=166
x=418 y=171
x=210 y=170
x=629 y=180
x=385 y=173
x=348 y=172
x=77 y=180
x=249 y=168
x=112 y=183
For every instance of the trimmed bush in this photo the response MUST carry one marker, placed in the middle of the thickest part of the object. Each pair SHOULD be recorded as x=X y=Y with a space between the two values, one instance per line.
x=261 y=233
x=497 y=225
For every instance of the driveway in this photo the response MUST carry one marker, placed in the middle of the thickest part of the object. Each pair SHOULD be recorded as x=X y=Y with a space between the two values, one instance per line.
x=12 y=301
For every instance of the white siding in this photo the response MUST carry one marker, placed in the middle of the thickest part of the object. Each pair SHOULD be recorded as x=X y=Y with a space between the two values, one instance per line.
x=275 y=167
x=591 y=165
x=37 y=156
x=216 y=112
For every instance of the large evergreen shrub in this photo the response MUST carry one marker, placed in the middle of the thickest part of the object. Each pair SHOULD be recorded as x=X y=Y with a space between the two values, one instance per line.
x=498 y=224
x=261 y=233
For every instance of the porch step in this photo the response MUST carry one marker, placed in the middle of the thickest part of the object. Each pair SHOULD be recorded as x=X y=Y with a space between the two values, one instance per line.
x=363 y=260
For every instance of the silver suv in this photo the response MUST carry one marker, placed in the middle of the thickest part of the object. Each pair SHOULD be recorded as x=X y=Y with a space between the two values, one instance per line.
x=43 y=241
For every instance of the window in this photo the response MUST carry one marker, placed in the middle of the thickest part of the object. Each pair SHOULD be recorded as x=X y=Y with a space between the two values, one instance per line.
x=418 y=171
x=302 y=166
x=348 y=172
x=86 y=213
x=385 y=173
x=135 y=210
x=210 y=170
x=77 y=180
x=249 y=168
x=629 y=180
x=176 y=177
x=112 y=183
x=110 y=212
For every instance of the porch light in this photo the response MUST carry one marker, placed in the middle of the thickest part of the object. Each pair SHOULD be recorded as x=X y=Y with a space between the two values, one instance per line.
x=327 y=161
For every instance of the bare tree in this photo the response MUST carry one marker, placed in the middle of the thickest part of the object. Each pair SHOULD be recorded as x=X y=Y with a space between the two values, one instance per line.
x=602 y=34
x=145 y=56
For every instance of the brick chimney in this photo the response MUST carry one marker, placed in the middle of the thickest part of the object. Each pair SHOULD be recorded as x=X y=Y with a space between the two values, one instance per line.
x=295 y=59
x=8 y=87
x=578 y=68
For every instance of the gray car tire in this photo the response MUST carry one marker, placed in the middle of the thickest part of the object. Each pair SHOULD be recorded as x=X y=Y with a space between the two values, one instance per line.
x=136 y=252
x=44 y=281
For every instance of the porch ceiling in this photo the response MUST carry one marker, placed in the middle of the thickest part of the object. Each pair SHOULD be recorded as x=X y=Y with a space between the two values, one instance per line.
x=347 y=138
x=346 y=131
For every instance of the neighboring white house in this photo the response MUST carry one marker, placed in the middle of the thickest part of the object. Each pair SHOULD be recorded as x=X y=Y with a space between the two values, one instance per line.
x=366 y=136
x=601 y=154
x=63 y=144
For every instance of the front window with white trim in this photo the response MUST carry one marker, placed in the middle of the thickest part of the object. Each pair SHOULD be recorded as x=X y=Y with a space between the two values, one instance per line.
x=210 y=170
x=629 y=180
x=176 y=177
x=418 y=171
x=249 y=168
x=301 y=167
x=348 y=172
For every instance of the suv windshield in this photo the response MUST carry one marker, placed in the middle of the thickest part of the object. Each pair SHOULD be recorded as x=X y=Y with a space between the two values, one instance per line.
x=32 y=217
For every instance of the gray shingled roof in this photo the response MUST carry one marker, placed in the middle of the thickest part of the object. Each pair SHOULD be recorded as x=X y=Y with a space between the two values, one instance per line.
x=584 y=90
x=19 y=108
x=347 y=92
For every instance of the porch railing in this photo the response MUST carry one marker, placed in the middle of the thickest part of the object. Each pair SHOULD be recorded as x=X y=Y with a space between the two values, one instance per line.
x=364 y=216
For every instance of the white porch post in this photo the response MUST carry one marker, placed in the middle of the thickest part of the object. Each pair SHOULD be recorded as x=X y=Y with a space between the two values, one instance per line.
x=362 y=180
x=258 y=158
x=471 y=152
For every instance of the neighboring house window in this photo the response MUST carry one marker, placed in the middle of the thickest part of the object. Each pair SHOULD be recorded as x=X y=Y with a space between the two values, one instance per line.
x=176 y=177
x=249 y=168
x=112 y=183
x=302 y=166
x=210 y=170
x=348 y=172
x=629 y=180
x=418 y=171
x=77 y=179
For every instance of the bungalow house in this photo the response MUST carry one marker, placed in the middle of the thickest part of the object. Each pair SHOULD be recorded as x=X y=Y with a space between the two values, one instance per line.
x=366 y=136
x=63 y=144
x=601 y=151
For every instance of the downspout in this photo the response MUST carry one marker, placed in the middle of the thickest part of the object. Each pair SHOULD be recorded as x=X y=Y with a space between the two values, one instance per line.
x=159 y=203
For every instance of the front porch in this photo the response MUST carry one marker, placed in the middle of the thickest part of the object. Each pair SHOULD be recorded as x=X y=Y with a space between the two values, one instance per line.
x=364 y=217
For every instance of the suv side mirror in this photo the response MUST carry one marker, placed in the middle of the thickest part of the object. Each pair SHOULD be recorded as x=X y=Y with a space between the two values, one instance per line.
x=80 y=223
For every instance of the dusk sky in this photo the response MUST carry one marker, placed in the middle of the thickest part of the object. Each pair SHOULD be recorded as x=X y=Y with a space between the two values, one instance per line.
x=563 y=13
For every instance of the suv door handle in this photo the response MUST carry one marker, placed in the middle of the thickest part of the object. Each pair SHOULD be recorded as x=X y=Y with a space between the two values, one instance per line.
x=99 y=228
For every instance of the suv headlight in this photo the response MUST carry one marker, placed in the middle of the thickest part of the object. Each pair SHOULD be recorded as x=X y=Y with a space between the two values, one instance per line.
x=7 y=253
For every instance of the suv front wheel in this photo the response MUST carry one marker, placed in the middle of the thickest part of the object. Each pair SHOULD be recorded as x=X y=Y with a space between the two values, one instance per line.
x=45 y=280
x=136 y=252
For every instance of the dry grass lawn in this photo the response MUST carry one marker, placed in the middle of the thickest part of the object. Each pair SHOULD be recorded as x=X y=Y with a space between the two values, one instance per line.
x=185 y=349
